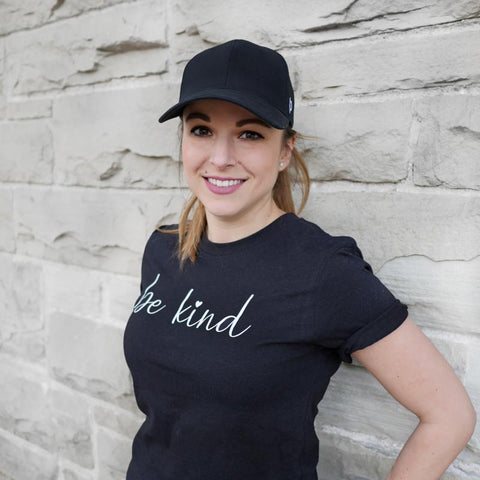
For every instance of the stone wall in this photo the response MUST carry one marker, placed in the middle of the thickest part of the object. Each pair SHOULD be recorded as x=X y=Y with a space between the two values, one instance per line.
x=389 y=93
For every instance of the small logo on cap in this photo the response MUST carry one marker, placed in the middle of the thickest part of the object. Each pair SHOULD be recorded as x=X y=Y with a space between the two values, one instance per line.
x=290 y=105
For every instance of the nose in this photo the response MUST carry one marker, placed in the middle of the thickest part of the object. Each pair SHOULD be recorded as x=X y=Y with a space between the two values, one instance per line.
x=222 y=154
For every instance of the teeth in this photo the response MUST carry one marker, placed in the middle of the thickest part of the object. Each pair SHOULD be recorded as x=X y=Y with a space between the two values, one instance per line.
x=224 y=183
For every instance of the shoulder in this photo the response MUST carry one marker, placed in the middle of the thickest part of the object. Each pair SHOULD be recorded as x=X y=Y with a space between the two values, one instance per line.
x=306 y=236
x=163 y=238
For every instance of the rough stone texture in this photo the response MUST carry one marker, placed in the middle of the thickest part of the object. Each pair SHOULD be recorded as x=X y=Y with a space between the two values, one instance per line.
x=353 y=457
x=22 y=330
x=473 y=369
x=73 y=433
x=351 y=403
x=361 y=142
x=29 y=13
x=114 y=453
x=52 y=418
x=20 y=460
x=303 y=23
x=24 y=406
x=7 y=232
x=391 y=224
x=120 y=421
x=69 y=474
x=88 y=357
x=472 y=383
x=129 y=40
x=32 y=13
x=443 y=295
x=31 y=108
x=137 y=152
x=107 y=231
x=26 y=154
x=2 y=94
x=120 y=294
x=448 y=146
x=70 y=289
x=380 y=64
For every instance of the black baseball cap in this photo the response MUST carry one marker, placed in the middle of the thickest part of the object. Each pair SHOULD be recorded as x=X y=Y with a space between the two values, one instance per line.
x=241 y=72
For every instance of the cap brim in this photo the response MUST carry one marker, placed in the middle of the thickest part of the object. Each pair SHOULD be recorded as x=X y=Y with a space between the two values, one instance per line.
x=256 y=105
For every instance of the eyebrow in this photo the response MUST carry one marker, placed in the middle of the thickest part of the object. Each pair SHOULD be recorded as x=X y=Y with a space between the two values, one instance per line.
x=240 y=123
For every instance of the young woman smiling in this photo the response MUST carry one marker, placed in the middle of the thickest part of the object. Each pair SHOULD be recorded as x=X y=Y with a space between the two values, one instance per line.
x=231 y=162
x=247 y=310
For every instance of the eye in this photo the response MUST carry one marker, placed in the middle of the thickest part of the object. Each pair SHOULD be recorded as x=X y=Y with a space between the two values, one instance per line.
x=250 y=135
x=201 y=131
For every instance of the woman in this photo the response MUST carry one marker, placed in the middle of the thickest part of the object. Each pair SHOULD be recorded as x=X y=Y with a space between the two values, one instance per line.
x=247 y=310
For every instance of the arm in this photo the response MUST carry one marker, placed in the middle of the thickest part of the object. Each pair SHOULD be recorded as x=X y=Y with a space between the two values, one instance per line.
x=412 y=370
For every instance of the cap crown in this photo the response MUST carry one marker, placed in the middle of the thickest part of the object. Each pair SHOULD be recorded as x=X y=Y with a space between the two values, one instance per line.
x=242 y=72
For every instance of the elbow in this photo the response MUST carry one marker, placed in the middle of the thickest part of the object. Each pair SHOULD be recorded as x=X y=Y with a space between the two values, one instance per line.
x=471 y=421
x=458 y=421
x=463 y=420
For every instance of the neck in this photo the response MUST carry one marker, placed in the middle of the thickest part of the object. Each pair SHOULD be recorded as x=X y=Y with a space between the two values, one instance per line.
x=225 y=230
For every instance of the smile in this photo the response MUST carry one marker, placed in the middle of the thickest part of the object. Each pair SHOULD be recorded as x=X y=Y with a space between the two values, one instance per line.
x=223 y=186
x=224 y=183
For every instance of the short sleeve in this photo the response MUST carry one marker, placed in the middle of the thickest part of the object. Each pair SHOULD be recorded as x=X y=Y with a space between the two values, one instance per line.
x=355 y=309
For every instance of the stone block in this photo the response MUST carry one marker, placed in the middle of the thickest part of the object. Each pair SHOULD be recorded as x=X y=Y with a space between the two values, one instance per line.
x=362 y=142
x=24 y=405
x=114 y=453
x=2 y=104
x=26 y=155
x=70 y=289
x=33 y=13
x=94 y=228
x=118 y=420
x=2 y=73
x=392 y=224
x=353 y=456
x=88 y=356
x=440 y=294
x=385 y=63
x=7 y=232
x=472 y=380
x=121 y=292
x=73 y=433
x=127 y=41
x=126 y=146
x=352 y=403
x=54 y=419
x=71 y=474
x=26 y=14
x=29 y=109
x=20 y=460
x=21 y=299
x=303 y=23
x=448 y=145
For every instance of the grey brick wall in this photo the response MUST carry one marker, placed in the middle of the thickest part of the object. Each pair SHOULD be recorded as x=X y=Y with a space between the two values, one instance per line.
x=389 y=93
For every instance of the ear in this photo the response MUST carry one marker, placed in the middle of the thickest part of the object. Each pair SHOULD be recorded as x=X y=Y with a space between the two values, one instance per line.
x=286 y=153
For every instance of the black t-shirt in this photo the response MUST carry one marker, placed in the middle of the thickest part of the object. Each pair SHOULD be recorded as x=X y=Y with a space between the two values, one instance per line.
x=231 y=355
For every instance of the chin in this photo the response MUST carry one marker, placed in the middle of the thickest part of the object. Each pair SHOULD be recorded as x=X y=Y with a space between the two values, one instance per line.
x=224 y=213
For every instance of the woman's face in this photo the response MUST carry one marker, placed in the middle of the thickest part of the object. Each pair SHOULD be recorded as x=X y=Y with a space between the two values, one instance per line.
x=231 y=160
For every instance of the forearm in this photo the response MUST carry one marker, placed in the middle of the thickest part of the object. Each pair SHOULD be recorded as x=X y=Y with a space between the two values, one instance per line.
x=429 y=451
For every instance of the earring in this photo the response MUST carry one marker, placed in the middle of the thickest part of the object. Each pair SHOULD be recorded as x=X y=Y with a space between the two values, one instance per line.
x=281 y=164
